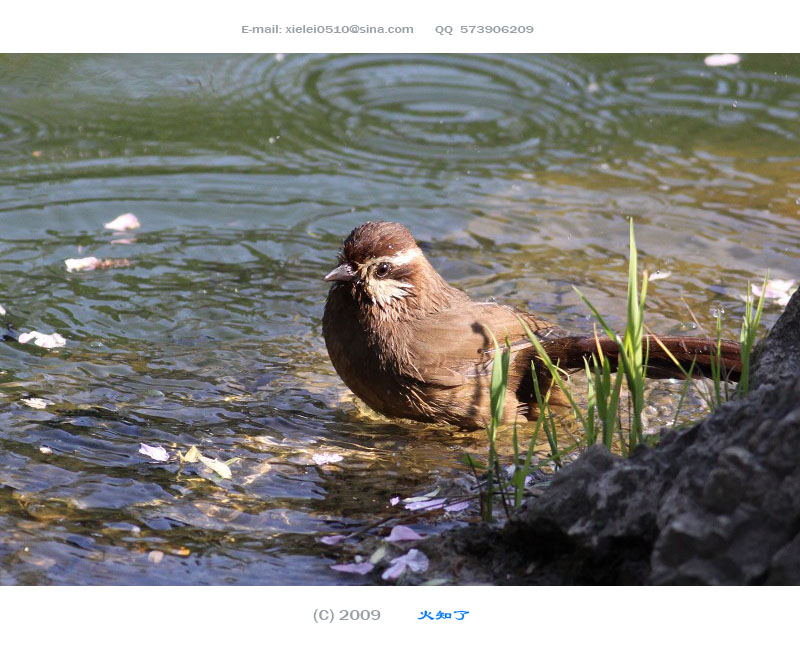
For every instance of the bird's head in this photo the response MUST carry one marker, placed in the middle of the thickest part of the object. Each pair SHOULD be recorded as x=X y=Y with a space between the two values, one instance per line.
x=382 y=266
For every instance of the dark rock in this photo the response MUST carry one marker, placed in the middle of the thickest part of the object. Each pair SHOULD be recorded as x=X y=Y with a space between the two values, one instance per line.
x=716 y=504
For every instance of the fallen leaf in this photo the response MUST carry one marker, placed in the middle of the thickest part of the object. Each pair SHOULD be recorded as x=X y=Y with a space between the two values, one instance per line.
x=403 y=534
x=332 y=540
x=361 y=568
x=156 y=453
x=192 y=456
x=217 y=466
x=127 y=221
x=414 y=560
x=379 y=554
x=54 y=340
x=457 y=507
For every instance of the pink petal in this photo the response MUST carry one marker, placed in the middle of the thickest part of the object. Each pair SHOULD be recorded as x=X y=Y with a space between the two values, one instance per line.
x=414 y=560
x=332 y=540
x=775 y=289
x=394 y=501
x=394 y=571
x=457 y=507
x=361 y=568
x=403 y=534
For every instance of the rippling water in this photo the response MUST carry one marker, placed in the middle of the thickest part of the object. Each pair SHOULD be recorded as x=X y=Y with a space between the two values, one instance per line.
x=516 y=173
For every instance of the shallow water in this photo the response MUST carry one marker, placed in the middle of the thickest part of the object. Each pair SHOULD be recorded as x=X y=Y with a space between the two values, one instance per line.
x=516 y=173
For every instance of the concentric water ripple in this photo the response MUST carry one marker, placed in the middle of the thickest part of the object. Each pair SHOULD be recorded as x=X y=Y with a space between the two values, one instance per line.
x=397 y=113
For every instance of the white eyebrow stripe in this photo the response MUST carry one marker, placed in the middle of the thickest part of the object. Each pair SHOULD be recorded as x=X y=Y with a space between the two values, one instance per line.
x=399 y=258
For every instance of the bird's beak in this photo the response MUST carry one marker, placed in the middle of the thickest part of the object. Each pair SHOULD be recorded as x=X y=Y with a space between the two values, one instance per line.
x=342 y=273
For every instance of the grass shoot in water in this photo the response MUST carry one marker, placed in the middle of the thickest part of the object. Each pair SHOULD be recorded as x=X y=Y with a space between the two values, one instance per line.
x=602 y=416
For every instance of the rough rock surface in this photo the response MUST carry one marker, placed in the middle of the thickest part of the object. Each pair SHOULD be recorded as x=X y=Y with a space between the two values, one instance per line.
x=718 y=503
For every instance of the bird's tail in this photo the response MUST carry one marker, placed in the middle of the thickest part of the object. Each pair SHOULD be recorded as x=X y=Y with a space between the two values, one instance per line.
x=661 y=352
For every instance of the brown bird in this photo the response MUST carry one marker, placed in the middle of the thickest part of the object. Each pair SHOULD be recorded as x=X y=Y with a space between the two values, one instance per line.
x=412 y=346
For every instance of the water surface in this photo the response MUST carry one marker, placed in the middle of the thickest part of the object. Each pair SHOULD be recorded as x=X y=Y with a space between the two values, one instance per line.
x=516 y=173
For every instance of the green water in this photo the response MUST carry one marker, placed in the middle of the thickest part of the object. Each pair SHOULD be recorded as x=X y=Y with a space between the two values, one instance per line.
x=516 y=173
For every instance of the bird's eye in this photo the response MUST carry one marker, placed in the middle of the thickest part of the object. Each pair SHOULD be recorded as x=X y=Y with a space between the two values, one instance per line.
x=383 y=269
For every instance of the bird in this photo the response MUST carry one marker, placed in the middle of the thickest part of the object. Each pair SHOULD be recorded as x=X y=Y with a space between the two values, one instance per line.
x=412 y=346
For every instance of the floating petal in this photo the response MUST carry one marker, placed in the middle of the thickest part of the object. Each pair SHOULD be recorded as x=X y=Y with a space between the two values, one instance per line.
x=414 y=560
x=326 y=458
x=361 y=568
x=35 y=402
x=156 y=453
x=54 y=340
x=403 y=534
x=426 y=505
x=718 y=60
x=127 y=221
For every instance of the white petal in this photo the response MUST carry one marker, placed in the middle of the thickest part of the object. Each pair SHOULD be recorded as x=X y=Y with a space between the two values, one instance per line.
x=716 y=60
x=54 y=340
x=81 y=263
x=156 y=453
x=326 y=458
x=126 y=221
x=35 y=402
x=778 y=290
x=426 y=505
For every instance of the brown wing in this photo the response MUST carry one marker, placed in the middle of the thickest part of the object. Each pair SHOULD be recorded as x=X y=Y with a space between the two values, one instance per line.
x=455 y=346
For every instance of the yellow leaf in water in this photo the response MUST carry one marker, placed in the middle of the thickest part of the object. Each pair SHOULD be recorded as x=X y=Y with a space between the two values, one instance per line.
x=217 y=466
